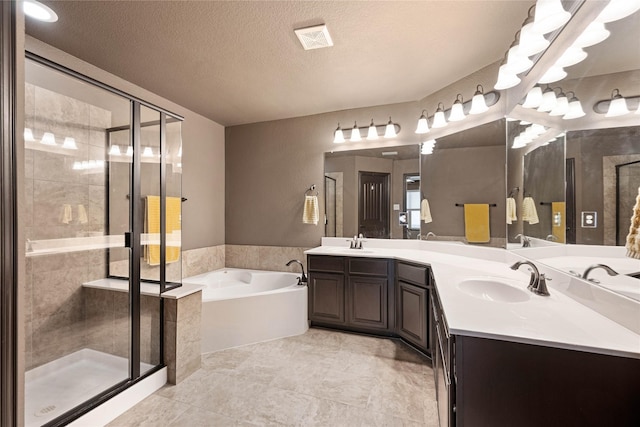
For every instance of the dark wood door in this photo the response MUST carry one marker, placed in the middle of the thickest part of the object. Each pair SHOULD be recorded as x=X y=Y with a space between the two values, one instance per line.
x=570 y=195
x=412 y=315
x=367 y=302
x=373 y=205
x=326 y=298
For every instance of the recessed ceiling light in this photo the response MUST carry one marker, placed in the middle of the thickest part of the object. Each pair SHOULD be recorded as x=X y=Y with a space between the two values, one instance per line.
x=39 y=11
x=314 y=37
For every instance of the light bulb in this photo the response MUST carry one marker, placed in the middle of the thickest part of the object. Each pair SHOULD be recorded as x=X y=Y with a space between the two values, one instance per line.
x=478 y=103
x=562 y=106
x=457 y=110
x=534 y=98
x=114 y=150
x=390 y=130
x=423 y=125
x=506 y=80
x=28 y=135
x=48 y=139
x=575 y=109
x=572 y=56
x=129 y=151
x=147 y=152
x=548 y=101
x=39 y=11
x=69 y=143
x=531 y=43
x=338 y=136
x=427 y=147
x=595 y=33
x=355 y=133
x=549 y=16
x=553 y=74
x=618 y=105
x=618 y=9
x=372 y=133
x=517 y=63
x=438 y=118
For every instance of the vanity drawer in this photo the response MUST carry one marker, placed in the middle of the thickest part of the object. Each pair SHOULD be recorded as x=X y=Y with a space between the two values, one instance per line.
x=416 y=274
x=368 y=266
x=330 y=264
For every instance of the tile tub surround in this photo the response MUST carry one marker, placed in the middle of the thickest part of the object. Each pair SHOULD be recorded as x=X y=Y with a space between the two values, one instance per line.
x=321 y=378
x=272 y=258
x=182 y=352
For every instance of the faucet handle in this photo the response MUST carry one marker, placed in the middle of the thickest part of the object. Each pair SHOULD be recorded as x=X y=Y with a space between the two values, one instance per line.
x=541 y=289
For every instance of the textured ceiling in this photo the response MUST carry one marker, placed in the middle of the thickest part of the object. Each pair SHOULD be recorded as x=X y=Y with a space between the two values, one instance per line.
x=240 y=61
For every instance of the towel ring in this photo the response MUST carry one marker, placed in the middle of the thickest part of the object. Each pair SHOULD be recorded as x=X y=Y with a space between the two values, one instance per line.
x=310 y=190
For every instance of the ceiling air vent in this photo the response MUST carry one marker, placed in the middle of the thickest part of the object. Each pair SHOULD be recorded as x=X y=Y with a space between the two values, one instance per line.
x=314 y=37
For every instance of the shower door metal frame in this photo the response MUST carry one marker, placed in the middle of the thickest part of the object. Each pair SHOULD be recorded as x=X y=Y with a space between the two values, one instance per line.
x=134 y=209
x=8 y=218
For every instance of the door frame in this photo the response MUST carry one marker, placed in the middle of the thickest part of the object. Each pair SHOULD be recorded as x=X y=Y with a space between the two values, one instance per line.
x=387 y=184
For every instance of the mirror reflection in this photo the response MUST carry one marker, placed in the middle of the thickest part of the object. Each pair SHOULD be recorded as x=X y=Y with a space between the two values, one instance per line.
x=373 y=192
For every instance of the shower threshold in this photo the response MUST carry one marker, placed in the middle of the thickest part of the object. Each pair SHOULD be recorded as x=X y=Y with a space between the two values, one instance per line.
x=57 y=386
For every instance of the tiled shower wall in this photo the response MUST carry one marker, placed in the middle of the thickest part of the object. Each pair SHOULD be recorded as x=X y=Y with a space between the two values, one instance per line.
x=55 y=312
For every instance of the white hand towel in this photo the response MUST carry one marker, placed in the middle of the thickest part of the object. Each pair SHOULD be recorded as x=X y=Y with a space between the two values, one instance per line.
x=511 y=210
x=82 y=215
x=529 y=212
x=311 y=214
x=66 y=216
x=425 y=211
x=633 y=238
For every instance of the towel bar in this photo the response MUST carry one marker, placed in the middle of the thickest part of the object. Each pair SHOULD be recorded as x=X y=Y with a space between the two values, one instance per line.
x=184 y=199
x=493 y=205
x=545 y=203
x=311 y=190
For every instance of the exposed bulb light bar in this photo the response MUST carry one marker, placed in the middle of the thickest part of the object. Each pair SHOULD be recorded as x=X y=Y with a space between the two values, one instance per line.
x=457 y=110
x=390 y=130
x=618 y=105
x=355 y=133
x=423 y=125
x=372 y=132
x=36 y=10
x=438 y=118
x=478 y=103
x=338 y=135
x=549 y=16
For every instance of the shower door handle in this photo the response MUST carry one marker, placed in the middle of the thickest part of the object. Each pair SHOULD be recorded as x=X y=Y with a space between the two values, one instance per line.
x=127 y=239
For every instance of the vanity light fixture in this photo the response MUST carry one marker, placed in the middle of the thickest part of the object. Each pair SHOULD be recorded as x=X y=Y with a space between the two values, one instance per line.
x=129 y=151
x=534 y=97
x=538 y=129
x=48 y=139
x=562 y=105
x=390 y=130
x=39 y=11
x=147 y=152
x=69 y=143
x=179 y=151
x=549 y=16
x=572 y=56
x=355 y=133
x=372 y=132
x=114 y=150
x=28 y=135
x=617 y=106
x=548 y=100
x=338 y=136
x=531 y=42
x=457 y=111
x=516 y=62
x=427 y=147
x=618 y=9
x=595 y=33
x=423 y=125
x=478 y=103
x=438 y=118
x=553 y=74
x=506 y=79
x=575 y=110
x=524 y=123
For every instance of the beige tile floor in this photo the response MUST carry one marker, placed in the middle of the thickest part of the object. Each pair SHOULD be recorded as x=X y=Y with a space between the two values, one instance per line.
x=321 y=378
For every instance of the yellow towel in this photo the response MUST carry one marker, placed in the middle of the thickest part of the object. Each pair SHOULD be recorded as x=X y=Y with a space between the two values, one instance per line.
x=425 y=211
x=558 y=221
x=152 y=226
x=310 y=215
x=511 y=210
x=529 y=211
x=633 y=238
x=82 y=215
x=476 y=223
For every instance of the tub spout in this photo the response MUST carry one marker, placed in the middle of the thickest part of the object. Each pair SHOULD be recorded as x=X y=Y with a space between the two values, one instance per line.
x=301 y=280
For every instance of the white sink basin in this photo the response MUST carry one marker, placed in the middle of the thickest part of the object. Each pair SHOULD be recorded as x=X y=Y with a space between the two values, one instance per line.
x=494 y=289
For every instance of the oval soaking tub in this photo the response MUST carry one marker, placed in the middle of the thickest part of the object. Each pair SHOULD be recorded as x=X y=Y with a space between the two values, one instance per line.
x=241 y=307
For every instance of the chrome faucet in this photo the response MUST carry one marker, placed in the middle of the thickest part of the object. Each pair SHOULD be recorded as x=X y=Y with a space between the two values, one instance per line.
x=551 y=238
x=430 y=234
x=356 y=242
x=537 y=282
x=301 y=280
x=610 y=271
x=524 y=240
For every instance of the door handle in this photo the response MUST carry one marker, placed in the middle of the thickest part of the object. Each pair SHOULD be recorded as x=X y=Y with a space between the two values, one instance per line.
x=127 y=239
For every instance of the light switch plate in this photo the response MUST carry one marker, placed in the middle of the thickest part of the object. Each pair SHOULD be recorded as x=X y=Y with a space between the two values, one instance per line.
x=589 y=219
x=396 y=207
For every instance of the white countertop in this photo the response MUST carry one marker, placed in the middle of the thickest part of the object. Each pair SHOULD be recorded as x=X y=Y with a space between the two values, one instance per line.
x=150 y=289
x=556 y=321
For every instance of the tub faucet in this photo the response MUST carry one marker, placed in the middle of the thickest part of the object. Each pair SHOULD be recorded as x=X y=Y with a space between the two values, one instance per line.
x=551 y=238
x=610 y=271
x=430 y=234
x=537 y=282
x=524 y=240
x=301 y=280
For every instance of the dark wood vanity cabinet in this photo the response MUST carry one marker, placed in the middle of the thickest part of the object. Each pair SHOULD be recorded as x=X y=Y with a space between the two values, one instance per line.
x=351 y=293
x=412 y=312
x=443 y=359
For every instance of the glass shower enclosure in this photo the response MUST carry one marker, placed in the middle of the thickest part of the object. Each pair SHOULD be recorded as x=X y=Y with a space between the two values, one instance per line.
x=102 y=215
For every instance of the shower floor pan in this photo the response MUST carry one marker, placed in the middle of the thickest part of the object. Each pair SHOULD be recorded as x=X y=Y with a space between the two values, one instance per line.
x=57 y=386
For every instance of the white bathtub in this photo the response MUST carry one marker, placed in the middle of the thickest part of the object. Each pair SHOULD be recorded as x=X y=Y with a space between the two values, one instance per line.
x=241 y=307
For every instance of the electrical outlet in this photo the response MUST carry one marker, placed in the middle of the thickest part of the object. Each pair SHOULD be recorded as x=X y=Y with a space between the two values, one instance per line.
x=589 y=219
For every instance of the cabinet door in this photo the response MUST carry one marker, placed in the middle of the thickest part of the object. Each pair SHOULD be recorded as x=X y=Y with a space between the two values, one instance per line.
x=367 y=302
x=412 y=314
x=326 y=298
